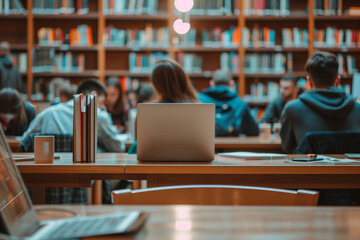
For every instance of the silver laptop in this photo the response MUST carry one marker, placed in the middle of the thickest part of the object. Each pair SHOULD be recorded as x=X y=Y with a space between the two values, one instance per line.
x=18 y=218
x=176 y=132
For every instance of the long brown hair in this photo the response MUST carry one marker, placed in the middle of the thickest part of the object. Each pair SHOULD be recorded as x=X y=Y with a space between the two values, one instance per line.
x=12 y=102
x=171 y=82
x=119 y=104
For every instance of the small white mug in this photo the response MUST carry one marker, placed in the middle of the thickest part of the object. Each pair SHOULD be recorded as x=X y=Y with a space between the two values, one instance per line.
x=265 y=130
x=44 y=149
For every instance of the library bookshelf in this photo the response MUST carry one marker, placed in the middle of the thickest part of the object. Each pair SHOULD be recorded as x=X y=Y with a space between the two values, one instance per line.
x=103 y=61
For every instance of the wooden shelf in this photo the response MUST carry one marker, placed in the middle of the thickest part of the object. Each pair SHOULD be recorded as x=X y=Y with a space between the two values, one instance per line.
x=13 y=16
x=213 y=18
x=126 y=73
x=338 y=50
x=137 y=49
x=276 y=49
x=87 y=73
x=19 y=47
x=269 y=75
x=159 y=17
x=336 y=18
x=295 y=16
x=88 y=16
x=199 y=48
x=93 y=48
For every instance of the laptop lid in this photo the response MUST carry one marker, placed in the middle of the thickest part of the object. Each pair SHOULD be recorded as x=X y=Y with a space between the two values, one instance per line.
x=17 y=215
x=176 y=132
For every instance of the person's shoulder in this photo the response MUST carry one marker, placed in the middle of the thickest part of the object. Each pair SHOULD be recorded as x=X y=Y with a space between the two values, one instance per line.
x=293 y=106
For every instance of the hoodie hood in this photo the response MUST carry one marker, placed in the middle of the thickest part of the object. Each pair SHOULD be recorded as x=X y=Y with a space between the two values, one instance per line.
x=331 y=103
x=221 y=93
x=6 y=61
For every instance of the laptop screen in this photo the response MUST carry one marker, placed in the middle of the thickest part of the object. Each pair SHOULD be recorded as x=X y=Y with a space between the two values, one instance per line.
x=14 y=201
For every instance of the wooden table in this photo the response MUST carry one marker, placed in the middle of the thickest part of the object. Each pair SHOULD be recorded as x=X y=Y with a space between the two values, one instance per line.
x=222 y=144
x=265 y=173
x=232 y=222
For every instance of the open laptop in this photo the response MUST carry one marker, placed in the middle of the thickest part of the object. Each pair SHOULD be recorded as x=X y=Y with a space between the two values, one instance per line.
x=176 y=132
x=18 y=217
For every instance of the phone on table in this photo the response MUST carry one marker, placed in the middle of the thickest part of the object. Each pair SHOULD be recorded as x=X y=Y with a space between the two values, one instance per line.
x=310 y=158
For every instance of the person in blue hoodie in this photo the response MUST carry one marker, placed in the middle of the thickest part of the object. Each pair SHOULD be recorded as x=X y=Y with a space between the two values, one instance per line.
x=322 y=108
x=9 y=74
x=233 y=115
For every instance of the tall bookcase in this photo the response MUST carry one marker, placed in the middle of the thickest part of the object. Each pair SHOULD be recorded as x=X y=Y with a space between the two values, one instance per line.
x=102 y=61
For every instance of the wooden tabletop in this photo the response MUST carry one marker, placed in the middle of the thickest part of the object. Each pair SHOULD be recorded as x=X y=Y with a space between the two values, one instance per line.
x=231 y=222
x=265 y=173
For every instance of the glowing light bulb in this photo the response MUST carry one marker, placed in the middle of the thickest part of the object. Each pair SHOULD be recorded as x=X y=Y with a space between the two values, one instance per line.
x=180 y=27
x=184 y=5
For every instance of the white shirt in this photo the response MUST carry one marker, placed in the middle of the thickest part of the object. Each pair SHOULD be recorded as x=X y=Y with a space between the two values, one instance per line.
x=59 y=119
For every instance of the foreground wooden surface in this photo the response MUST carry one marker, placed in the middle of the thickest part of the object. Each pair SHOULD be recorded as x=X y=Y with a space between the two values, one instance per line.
x=197 y=222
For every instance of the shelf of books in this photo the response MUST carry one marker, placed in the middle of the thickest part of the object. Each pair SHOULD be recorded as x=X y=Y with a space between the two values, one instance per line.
x=257 y=41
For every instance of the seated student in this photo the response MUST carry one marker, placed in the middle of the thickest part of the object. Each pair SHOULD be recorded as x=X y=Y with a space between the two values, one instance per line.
x=171 y=83
x=289 y=91
x=233 y=115
x=115 y=103
x=323 y=108
x=15 y=113
x=66 y=93
x=59 y=119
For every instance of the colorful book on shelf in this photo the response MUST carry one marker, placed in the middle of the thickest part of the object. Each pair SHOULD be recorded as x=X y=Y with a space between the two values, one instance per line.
x=213 y=7
x=11 y=7
x=85 y=128
x=269 y=63
x=131 y=7
x=230 y=62
x=192 y=63
x=266 y=7
x=328 y=7
x=127 y=83
x=144 y=62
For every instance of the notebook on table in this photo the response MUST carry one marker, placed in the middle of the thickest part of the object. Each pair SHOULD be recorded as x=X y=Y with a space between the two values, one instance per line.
x=18 y=217
x=253 y=155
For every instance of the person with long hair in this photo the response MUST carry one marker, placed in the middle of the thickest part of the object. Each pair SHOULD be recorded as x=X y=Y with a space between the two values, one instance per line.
x=15 y=113
x=115 y=103
x=172 y=84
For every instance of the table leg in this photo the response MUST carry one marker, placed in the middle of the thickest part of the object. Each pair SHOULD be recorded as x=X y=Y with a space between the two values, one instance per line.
x=96 y=193
x=136 y=184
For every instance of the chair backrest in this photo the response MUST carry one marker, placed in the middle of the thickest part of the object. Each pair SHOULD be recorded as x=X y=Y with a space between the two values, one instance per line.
x=215 y=195
x=330 y=143
x=63 y=142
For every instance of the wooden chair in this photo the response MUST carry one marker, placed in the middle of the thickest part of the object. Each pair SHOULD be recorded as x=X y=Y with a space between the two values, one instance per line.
x=215 y=195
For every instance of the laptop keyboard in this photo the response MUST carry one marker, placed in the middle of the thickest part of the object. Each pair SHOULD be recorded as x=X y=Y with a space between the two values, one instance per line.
x=85 y=227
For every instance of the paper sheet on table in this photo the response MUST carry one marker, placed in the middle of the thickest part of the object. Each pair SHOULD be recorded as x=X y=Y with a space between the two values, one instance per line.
x=339 y=160
x=253 y=155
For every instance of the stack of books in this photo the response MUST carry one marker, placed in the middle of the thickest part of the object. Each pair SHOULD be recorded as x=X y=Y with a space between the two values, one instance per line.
x=85 y=128
x=333 y=37
x=230 y=62
x=46 y=60
x=131 y=7
x=264 y=92
x=11 y=7
x=266 y=7
x=149 y=37
x=144 y=62
x=43 y=60
x=67 y=62
x=60 y=6
x=127 y=83
x=328 y=7
x=295 y=37
x=214 y=7
x=268 y=63
x=20 y=61
x=79 y=36
x=347 y=64
x=218 y=37
x=186 y=40
x=259 y=37
x=191 y=63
